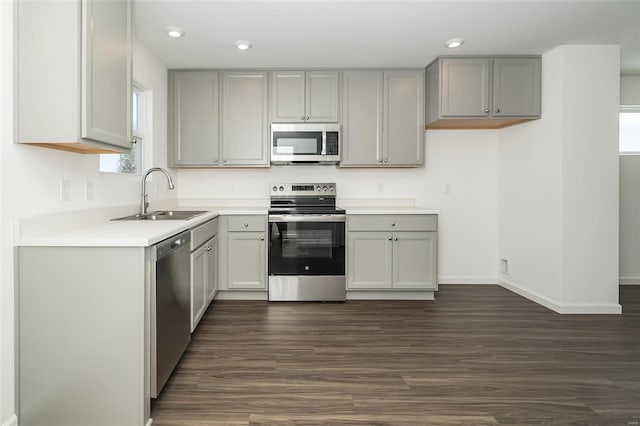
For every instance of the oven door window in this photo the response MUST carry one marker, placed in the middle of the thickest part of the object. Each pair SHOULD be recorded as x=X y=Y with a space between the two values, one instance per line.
x=306 y=248
x=297 y=143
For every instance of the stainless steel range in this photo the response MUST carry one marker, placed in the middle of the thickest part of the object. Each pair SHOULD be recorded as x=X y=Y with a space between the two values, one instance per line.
x=306 y=243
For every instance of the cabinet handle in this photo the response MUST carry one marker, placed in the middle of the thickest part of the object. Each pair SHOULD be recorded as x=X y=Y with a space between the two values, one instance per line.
x=215 y=160
x=307 y=118
x=393 y=224
x=302 y=118
x=395 y=239
x=386 y=160
x=246 y=224
x=486 y=111
x=380 y=160
x=497 y=109
x=224 y=161
x=390 y=238
x=208 y=248
x=133 y=141
x=261 y=238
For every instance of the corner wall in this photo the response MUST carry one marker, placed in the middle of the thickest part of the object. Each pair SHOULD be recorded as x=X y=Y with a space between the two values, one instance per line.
x=558 y=187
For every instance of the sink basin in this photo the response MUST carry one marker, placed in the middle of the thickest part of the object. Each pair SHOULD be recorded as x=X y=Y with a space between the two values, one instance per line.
x=165 y=215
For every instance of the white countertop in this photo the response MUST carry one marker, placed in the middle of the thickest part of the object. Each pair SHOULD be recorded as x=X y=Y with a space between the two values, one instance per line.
x=388 y=210
x=106 y=233
x=94 y=228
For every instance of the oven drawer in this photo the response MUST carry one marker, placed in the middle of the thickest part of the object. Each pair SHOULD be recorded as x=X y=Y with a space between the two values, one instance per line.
x=255 y=223
x=389 y=222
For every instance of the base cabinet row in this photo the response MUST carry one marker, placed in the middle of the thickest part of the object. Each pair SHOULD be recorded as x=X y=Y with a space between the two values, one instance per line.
x=400 y=260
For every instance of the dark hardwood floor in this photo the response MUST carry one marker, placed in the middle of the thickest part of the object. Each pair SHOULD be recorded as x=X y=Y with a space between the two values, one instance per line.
x=478 y=355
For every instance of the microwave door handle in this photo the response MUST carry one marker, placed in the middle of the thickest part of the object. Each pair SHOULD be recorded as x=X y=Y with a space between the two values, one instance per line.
x=324 y=143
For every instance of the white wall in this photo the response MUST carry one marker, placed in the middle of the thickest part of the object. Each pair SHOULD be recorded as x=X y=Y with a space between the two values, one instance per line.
x=465 y=159
x=629 y=195
x=558 y=186
x=30 y=179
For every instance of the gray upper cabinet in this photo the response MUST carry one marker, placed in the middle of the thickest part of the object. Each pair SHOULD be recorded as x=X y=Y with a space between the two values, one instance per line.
x=483 y=92
x=361 y=118
x=304 y=96
x=383 y=118
x=465 y=87
x=244 y=118
x=193 y=118
x=516 y=87
x=84 y=47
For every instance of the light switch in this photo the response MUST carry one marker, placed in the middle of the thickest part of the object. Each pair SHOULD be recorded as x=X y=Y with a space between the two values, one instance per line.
x=65 y=191
x=88 y=191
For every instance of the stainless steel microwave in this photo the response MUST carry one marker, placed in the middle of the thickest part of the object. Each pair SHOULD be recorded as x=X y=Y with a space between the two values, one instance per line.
x=305 y=143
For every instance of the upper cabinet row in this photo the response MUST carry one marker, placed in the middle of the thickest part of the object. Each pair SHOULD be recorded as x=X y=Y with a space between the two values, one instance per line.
x=482 y=92
x=73 y=90
x=221 y=118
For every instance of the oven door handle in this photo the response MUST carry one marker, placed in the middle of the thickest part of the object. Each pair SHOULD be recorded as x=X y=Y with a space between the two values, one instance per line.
x=307 y=218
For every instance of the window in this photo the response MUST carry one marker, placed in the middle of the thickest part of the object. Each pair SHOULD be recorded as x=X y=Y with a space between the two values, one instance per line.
x=630 y=130
x=129 y=162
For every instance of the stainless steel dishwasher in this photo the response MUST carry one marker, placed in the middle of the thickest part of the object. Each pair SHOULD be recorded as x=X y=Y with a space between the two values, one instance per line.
x=170 y=307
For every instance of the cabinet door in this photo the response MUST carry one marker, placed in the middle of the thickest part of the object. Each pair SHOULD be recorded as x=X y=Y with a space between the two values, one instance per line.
x=369 y=260
x=288 y=96
x=321 y=99
x=244 y=118
x=106 y=71
x=247 y=265
x=403 y=123
x=414 y=260
x=516 y=87
x=212 y=268
x=361 y=118
x=465 y=87
x=193 y=117
x=198 y=285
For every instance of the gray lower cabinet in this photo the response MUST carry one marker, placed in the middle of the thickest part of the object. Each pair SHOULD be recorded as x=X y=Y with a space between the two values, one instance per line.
x=193 y=118
x=392 y=252
x=304 y=96
x=383 y=118
x=483 y=92
x=246 y=253
x=204 y=269
x=73 y=88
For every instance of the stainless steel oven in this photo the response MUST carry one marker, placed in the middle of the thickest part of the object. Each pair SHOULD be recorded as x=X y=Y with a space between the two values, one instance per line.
x=306 y=245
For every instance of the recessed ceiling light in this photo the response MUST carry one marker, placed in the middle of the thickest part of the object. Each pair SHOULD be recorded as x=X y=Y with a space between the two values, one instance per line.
x=454 y=42
x=175 y=32
x=243 y=45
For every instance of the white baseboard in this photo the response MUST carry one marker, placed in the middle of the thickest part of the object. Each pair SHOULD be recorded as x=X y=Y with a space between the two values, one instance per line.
x=390 y=295
x=562 y=308
x=629 y=281
x=11 y=421
x=468 y=280
x=241 y=295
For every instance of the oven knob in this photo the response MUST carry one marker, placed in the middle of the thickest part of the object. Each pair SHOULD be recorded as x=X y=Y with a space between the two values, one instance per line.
x=275 y=188
x=281 y=188
x=318 y=188
x=324 y=188
x=331 y=188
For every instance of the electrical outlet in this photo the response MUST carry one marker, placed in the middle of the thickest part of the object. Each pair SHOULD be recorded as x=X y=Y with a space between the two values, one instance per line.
x=504 y=266
x=88 y=190
x=447 y=188
x=380 y=187
x=65 y=191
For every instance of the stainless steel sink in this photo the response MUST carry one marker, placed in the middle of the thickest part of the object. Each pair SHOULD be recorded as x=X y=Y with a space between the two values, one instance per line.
x=164 y=215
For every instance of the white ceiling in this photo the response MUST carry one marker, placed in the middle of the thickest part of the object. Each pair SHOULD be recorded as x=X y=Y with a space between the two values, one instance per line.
x=366 y=34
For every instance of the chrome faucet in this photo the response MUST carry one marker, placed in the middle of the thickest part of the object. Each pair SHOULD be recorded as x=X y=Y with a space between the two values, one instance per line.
x=144 y=204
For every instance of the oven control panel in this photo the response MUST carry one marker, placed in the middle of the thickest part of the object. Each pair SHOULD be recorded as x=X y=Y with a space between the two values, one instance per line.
x=294 y=189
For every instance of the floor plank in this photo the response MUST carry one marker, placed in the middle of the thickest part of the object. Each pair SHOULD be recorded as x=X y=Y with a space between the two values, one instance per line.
x=477 y=355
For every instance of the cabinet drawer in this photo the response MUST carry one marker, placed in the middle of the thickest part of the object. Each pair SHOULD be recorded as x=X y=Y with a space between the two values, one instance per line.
x=388 y=222
x=247 y=223
x=203 y=233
